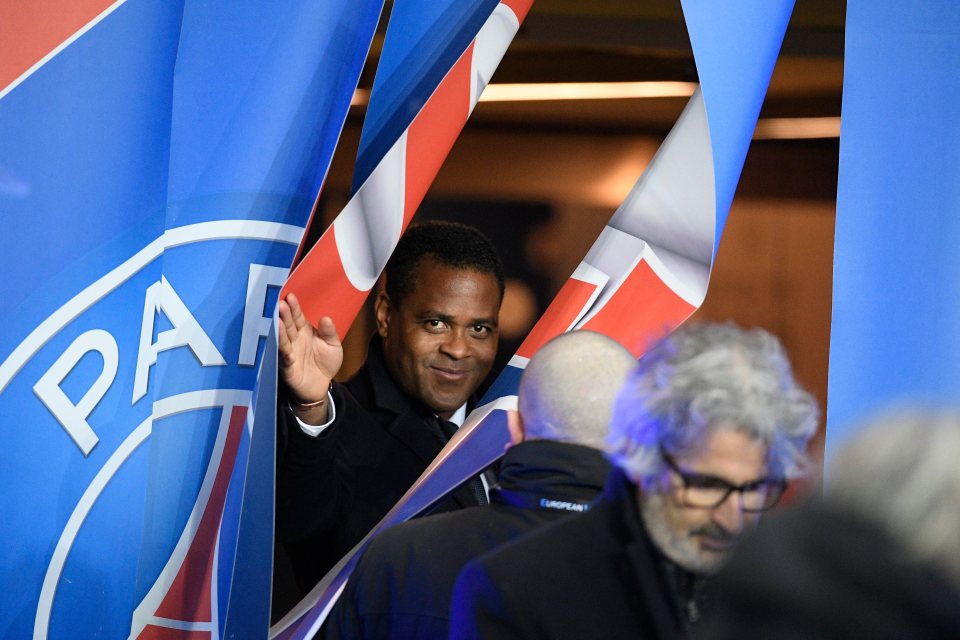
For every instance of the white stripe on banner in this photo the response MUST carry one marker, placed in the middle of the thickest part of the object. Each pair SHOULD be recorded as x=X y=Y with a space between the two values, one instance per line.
x=179 y=236
x=164 y=408
x=63 y=45
x=365 y=235
x=491 y=43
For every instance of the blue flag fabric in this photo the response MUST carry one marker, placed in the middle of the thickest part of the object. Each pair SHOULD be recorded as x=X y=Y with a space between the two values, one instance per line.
x=156 y=172
x=732 y=57
x=894 y=332
x=424 y=38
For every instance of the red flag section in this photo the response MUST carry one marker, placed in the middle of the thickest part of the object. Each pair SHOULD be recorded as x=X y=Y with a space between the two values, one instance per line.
x=643 y=310
x=321 y=281
x=32 y=31
x=187 y=603
x=568 y=305
x=434 y=130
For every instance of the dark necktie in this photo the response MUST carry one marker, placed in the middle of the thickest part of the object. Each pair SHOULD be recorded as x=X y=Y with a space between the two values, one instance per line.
x=449 y=428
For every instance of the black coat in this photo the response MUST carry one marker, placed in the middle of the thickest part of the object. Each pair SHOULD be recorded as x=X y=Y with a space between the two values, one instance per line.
x=402 y=585
x=816 y=572
x=333 y=488
x=593 y=575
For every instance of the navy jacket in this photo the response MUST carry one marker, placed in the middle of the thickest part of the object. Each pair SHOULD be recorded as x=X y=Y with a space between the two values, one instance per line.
x=593 y=575
x=402 y=585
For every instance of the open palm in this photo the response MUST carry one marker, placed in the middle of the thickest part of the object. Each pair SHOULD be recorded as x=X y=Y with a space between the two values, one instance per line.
x=309 y=357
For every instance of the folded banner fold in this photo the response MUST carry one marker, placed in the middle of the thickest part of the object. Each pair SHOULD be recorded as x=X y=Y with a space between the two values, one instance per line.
x=649 y=268
x=159 y=163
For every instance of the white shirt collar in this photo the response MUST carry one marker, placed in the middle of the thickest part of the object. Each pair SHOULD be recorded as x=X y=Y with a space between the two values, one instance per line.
x=459 y=415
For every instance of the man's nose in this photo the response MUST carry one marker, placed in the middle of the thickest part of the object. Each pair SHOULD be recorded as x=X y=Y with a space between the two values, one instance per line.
x=456 y=344
x=729 y=514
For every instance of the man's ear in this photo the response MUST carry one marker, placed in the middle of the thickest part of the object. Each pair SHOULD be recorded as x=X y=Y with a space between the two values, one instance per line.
x=381 y=309
x=515 y=427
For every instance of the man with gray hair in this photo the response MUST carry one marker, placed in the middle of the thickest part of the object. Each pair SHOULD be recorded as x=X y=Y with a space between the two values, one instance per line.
x=402 y=584
x=704 y=437
x=877 y=556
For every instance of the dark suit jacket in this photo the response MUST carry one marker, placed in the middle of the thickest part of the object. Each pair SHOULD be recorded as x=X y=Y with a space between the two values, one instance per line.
x=332 y=489
x=594 y=575
x=402 y=585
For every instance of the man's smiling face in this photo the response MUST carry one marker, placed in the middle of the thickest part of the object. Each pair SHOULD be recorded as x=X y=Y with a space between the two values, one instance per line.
x=440 y=341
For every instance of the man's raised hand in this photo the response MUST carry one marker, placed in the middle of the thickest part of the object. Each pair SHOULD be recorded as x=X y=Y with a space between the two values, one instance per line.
x=309 y=359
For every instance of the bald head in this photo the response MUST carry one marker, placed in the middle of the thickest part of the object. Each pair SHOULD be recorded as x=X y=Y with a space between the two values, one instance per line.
x=568 y=388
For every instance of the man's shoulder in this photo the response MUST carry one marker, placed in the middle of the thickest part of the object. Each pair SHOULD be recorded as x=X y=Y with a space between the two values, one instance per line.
x=560 y=544
x=359 y=385
x=575 y=579
x=405 y=535
x=371 y=391
x=374 y=389
x=430 y=535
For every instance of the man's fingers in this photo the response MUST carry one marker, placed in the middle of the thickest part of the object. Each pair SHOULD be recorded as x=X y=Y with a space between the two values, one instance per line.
x=288 y=327
x=328 y=332
x=299 y=319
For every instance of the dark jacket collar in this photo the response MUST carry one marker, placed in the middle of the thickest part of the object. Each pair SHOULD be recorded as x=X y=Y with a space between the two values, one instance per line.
x=384 y=392
x=643 y=561
x=567 y=476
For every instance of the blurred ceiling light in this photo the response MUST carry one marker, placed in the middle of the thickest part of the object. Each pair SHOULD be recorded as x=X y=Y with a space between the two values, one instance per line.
x=548 y=91
x=360 y=98
x=797 y=128
x=767 y=128
x=585 y=91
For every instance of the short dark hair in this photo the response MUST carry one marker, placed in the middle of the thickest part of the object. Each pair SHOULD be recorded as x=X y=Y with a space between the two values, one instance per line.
x=451 y=244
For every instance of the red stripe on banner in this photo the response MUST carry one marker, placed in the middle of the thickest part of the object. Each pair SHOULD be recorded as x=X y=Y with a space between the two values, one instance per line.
x=322 y=286
x=151 y=632
x=434 y=130
x=519 y=7
x=31 y=30
x=566 y=306
x=188 y=598
x=663 y=311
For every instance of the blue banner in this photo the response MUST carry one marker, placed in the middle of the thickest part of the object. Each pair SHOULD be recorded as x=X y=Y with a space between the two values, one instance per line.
x=157 y=166
x=424 y=38
x=894 y=334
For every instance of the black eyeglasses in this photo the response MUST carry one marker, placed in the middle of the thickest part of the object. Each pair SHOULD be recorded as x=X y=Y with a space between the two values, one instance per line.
x=709 y=492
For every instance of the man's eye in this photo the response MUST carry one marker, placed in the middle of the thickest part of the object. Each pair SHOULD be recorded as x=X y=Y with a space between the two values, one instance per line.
x=481 y=329
x=435 y=325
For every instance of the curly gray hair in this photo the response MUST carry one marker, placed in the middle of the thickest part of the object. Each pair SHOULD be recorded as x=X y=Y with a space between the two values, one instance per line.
x=702 y=376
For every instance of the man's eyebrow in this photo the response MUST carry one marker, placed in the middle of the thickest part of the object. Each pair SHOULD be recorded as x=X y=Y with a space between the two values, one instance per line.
x=433 y=314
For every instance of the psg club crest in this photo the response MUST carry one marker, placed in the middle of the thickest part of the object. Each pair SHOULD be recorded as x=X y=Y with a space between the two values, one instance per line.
x=133 y=385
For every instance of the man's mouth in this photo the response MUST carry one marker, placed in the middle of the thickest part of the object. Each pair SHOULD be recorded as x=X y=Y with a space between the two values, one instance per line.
x=446 y=374
x=715 y=544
